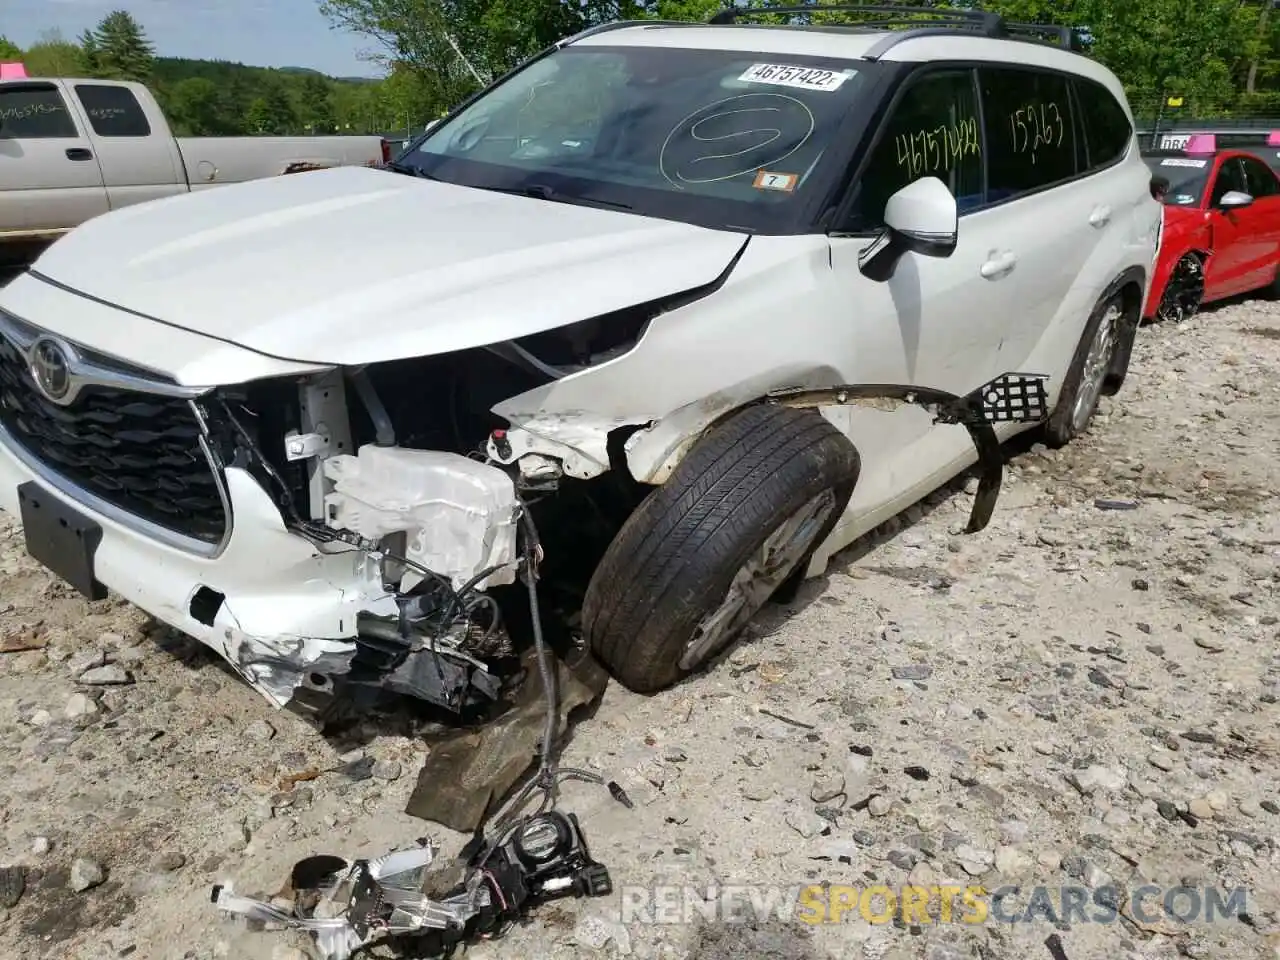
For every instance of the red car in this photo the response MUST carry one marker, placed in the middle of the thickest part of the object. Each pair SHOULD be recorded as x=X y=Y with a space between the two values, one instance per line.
x=1221 y=232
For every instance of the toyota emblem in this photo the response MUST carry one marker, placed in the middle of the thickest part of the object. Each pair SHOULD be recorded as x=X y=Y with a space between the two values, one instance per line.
x=51 y=369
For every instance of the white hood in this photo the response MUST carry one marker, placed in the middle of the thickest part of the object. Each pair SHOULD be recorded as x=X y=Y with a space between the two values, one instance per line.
x=353 y=265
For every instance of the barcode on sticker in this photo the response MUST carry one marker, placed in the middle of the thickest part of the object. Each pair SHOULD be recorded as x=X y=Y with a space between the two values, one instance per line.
x=802 y=78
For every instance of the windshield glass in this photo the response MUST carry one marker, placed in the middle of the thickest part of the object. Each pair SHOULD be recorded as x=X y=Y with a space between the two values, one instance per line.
x=720 y=138
x=1186 y=176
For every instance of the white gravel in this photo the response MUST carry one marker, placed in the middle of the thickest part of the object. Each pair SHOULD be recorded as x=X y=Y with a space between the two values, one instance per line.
x=1029 y=704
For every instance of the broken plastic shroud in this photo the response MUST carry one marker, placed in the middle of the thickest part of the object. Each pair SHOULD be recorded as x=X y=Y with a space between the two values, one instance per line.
x=540 y=858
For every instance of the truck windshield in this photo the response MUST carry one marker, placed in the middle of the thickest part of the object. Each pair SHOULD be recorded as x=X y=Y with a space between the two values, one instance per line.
x=1186 y=177
x=715 y=137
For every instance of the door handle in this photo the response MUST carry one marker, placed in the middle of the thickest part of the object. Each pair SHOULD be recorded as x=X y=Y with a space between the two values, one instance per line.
x=79 y=153
x=1100 y=217
x=1000 y=266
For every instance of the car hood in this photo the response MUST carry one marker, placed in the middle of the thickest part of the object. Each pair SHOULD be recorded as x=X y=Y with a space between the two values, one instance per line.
x=354 y=265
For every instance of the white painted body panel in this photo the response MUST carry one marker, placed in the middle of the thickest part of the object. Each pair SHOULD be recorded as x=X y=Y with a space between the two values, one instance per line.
x=334 y=251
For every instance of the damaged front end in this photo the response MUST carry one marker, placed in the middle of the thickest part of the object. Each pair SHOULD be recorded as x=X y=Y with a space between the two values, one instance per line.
x=383 y=472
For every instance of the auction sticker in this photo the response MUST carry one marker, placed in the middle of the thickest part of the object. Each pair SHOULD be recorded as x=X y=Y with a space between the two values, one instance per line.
x=786 y=182
x=802 y=78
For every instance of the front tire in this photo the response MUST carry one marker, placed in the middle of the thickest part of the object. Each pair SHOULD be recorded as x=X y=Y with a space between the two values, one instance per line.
x=704 y=552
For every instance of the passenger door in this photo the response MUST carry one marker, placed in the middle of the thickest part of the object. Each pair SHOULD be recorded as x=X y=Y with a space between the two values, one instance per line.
x=1263 y=242
x=936 y=322
x=1227 y=271
x=49 y=174
x=138 y=156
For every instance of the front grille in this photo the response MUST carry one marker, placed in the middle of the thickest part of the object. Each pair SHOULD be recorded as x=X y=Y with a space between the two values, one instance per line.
x=139 y=452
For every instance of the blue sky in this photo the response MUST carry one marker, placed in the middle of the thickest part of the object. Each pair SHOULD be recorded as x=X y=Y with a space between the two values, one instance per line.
x=269 y=33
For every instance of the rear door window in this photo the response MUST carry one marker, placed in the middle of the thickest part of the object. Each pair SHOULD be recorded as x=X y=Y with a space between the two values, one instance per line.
x=932 y=132
x=34 y=112
x=113 y=111
x=1031 y=133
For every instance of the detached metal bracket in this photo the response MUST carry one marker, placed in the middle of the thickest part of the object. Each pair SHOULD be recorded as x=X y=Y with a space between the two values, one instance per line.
x=1010 y=398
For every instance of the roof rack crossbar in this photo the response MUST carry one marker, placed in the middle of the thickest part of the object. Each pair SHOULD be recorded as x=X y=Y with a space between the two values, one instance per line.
x=1065 y=37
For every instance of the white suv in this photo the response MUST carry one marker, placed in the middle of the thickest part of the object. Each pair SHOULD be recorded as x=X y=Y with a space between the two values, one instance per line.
x=681 y=309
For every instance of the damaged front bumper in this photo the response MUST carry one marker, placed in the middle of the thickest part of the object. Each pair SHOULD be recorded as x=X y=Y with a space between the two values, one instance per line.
x=284 y=612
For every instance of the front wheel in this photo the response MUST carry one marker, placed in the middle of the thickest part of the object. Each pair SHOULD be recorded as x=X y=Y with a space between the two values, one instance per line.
x=1184 y=292
x=704 y=552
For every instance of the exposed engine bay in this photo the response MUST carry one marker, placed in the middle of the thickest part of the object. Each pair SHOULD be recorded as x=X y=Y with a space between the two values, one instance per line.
x=391 y=462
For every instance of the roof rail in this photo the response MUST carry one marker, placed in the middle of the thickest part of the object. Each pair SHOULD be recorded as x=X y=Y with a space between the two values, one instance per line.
x=733 y=14
x=622 y=25
x=945 y=22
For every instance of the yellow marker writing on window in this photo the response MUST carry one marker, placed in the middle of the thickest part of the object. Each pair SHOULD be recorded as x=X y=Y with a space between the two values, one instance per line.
x=939 y=149
x=1035 y=127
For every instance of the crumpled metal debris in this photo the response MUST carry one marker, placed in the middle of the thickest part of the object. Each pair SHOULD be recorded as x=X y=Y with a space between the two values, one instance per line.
x=340 y=909
x=347 y=906
x=468 y=771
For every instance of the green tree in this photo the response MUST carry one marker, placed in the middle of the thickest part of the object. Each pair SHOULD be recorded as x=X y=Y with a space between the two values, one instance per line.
x=455 y=46
x=316 y=104
x=258 y=117
x=270 y=112
x=118 y=49
x=9 y=51
x=1160 y=48
x=52 y=56
x=193 y=108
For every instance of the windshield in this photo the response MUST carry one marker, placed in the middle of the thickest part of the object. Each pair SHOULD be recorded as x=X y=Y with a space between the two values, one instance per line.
x=720 y=138
x=1186 y=177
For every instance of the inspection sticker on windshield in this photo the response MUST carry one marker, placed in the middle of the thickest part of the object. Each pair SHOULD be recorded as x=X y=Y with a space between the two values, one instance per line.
x=1180 y=162
x=786 y=182
x=803 y=78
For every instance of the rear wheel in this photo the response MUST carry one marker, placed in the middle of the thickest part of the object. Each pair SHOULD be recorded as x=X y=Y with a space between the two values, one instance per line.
x=743 y=511
x=1087 y=377
x=1184 y=292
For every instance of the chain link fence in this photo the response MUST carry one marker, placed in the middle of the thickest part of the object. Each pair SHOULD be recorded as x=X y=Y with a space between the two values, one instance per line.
x=1256 y=114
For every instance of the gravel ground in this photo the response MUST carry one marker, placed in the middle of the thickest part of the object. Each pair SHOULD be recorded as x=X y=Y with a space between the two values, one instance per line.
x=1078 y=695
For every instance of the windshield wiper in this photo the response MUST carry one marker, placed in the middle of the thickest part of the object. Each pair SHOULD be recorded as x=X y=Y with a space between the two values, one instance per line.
x=398 y=167
x=540 y=191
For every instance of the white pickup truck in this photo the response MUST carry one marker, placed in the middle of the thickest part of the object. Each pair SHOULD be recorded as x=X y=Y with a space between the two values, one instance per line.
x=73 y=149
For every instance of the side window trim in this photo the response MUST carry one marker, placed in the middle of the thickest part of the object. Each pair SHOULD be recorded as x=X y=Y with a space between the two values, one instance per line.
x=985 y=152
x=1084 y=156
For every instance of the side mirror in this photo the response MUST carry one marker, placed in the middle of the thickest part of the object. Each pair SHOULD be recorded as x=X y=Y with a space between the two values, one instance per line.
x=431 y=125
x=1235 y=200
x=920 y=218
